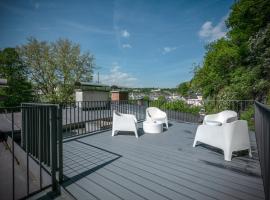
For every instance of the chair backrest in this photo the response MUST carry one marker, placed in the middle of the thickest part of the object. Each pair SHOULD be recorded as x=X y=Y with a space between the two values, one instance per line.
x=227 y=116
x=152 y=111
x=116 y=114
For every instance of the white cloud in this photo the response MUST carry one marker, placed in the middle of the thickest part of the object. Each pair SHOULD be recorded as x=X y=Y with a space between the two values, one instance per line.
x=168 y=49
x=210 y=33
x=117 y=77
x=126 y=46
x=125 y=33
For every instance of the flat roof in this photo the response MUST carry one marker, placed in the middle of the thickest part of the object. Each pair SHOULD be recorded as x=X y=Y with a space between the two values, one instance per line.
x=88 y=86
x=119 y=91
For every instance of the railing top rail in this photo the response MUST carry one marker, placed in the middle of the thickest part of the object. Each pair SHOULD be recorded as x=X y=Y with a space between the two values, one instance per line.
x=249 y=100
x=267 y=108
x=39 y=104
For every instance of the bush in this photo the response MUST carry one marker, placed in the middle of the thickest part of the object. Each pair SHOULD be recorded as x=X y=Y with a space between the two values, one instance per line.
x=180 y=106
x=248 y=115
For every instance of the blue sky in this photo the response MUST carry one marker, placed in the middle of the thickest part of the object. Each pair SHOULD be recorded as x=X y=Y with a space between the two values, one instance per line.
x=136 y=43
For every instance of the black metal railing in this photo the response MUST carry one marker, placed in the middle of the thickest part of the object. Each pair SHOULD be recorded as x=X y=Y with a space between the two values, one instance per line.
x=41 y=137
x=178 y=111
x=262 y=130
x=93 y=116
x=183 y=112
x=239 y=106
x=85 y=117
x=40 y=128
x=99 y=113
x=33 y=135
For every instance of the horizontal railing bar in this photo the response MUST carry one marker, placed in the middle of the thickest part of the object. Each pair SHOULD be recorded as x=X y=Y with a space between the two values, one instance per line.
x=261 y=105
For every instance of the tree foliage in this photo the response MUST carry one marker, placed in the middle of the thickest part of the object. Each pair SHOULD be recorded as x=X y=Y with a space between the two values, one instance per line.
x=238 y=66
x=18 y=89
x=55 y=67
x=179 y=105
x=162 y=99
x=183 y=88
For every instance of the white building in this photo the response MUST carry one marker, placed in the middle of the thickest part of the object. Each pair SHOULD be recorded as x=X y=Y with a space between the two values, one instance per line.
x=195 y=101
x=88 y=94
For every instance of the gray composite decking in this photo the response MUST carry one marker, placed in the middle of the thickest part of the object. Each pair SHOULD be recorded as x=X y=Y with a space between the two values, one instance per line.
x=160 y=166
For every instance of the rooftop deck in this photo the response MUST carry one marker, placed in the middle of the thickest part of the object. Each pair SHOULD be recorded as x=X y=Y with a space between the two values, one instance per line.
x=162 y=166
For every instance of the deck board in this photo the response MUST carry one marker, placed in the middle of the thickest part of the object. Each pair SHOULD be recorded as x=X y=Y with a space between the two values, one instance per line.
x=162 y=166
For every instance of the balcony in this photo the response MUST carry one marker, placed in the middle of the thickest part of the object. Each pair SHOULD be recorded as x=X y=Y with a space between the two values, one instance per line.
x=96 y=165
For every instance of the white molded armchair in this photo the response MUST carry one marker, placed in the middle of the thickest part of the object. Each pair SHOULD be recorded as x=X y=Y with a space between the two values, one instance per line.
x=124 y=122
x=222 y=117
x=155 y=114
x=229 y=137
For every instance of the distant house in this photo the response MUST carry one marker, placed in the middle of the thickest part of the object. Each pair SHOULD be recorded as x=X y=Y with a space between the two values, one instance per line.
x=176 y=97
x=155 y=90
x=195 y=100
x=119 y=95
x=88 y=94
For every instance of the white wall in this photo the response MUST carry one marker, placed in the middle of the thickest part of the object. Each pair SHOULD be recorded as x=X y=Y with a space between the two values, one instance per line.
x=85 y=96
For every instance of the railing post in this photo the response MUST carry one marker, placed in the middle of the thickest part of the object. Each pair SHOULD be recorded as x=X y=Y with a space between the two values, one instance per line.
x=60 y=142
x=262 y=130
x=13 y=157
x=53 y=147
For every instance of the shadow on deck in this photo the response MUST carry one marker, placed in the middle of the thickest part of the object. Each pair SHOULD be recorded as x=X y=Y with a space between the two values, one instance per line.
x=162 y=166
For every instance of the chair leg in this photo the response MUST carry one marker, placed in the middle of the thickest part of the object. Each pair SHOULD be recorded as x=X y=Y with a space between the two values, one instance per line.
x=228 y=155
x=167 y=124
x=249 y=153
x=194 y=143
x=136 y=133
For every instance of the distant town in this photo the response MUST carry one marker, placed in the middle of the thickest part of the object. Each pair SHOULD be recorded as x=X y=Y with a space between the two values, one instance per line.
x=169 y=95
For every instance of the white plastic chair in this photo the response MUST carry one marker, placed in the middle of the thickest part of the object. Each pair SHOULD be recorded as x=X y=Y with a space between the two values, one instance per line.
x=229 y=137
x=124 y=122
x=222 y=117
x=155 y=114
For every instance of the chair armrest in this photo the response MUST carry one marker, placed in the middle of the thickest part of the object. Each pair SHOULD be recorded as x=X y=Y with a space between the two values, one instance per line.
x=210 y=128
x=237 y=133
x=212 y=117
x=231 y=119
x=131 y=116
x=212 y=135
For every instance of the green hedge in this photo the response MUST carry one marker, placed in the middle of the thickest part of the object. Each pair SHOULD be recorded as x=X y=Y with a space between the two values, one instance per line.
x=180 y=106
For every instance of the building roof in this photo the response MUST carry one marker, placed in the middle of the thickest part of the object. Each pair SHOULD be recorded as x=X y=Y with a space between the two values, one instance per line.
x=88 y=86
x=119 y=91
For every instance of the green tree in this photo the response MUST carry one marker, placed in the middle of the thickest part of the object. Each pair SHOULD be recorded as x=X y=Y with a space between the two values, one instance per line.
x=55 y=67
x=246 y=18
x=220 y=59
x=237 y=67
x=162 y=99
x=11 y=68
x=146 y=98
x=184 y=88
